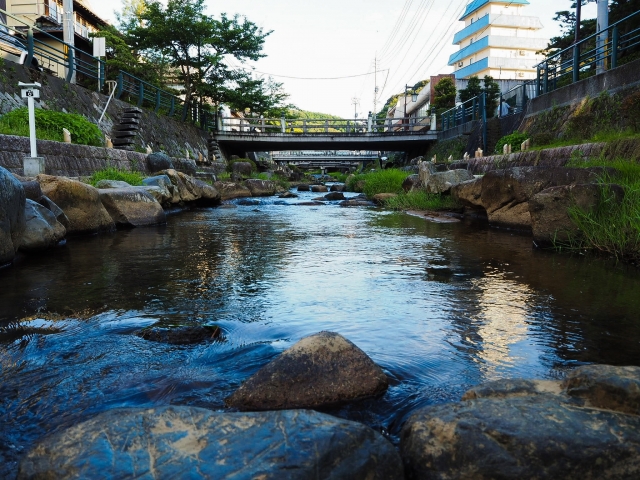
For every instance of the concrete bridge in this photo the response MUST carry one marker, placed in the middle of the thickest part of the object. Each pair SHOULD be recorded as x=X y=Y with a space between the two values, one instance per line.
x=338 y=160
x=237 y=136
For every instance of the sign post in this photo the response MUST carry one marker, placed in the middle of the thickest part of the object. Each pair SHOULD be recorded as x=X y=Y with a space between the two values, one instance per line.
x=33 y=165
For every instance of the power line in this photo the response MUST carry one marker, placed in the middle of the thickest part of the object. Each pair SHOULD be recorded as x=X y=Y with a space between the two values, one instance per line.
x=318 y=78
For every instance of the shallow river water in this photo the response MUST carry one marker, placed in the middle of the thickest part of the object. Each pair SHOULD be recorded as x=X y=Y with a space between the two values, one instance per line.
x=441 y=307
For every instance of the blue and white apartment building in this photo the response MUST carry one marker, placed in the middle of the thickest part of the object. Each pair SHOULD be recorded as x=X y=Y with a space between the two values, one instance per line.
x=498 y=39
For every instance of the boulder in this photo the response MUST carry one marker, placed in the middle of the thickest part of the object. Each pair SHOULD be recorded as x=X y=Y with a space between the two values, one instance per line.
x=79 y=202
x=55 y=209
x=337 y=187
x=320 y=370
x=549 y=210
x=32 y=190
x=42 y=229
x=606 y=386
x=190 y=442
x=319 y=188
x=260 y=188
x=411 y=182
x=381 y=198
x=468 y=193
x=334 y=196
x=132 y=207
x=243 y=169
x=435 y=181
x=185 y=165
x=586 y=426
x=159 y=161
x=160 y=187
x=231 y=190
x=112 y=184
x=304 y=188
x=357 y=202
x=248 y=202
x=506 y=193
x=288 y=195
x=12 y=220
x=188 y=189
x=181 y=335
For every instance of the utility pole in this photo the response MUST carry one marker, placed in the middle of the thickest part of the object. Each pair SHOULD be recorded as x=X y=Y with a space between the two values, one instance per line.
x=355 y=102
x=578 y=15
x=375 y=84
x=603 y=36
x=68 y=34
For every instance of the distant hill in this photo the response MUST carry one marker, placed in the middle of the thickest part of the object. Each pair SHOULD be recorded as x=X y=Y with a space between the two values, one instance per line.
x=295 y=113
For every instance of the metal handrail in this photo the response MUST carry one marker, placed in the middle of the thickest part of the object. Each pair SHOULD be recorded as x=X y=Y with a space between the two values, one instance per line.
x=573 y=64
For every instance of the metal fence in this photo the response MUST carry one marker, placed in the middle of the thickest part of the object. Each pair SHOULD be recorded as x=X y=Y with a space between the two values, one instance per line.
x=592 y=55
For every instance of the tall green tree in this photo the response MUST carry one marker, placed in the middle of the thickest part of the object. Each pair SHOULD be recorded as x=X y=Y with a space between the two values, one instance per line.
x=444 y=94
x=491 y=89
x=195 y=44
x=474 y=88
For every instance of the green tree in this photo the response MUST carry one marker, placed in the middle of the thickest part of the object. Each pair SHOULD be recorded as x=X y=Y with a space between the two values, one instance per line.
x=491 y=89
x=195 y=44
x=260 y=96
x=473 y=89
x=444 y=94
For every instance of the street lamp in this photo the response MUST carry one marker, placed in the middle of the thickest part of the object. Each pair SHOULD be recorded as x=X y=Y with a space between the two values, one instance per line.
x=414 y=98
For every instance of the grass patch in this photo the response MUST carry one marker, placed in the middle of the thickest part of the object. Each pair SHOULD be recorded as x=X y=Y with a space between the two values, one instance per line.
x=379 y=181
x=49 y=125
x=111 y=173
x=421 y=200
x=613 y=227
x=339 y=176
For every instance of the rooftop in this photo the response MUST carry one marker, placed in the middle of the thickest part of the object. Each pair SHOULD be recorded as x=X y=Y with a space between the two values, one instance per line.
x=476 y=4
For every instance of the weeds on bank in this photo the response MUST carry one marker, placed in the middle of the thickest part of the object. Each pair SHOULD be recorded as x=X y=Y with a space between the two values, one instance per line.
x=613 y=227
x=111 y=173
x=379 y=181
x=421 y=200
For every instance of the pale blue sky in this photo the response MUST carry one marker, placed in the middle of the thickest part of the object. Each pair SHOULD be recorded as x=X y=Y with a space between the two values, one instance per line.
x=340 y=38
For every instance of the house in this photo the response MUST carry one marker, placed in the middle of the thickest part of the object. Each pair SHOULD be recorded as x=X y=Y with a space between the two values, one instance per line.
x=498 y=39
x=47 y=15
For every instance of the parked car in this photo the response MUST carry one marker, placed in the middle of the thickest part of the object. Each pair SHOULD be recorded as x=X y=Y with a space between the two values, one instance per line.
x=12 y=49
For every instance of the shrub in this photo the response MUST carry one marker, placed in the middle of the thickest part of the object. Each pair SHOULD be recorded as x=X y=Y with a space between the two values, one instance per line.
x=111 y=173
x=421 y=200
x=49 y=125
x=379 y=181
x=515 y=140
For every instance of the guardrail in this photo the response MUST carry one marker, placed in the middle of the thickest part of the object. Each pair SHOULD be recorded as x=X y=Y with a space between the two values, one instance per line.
x=518 y=97
x=305 y=126
x=594 y=54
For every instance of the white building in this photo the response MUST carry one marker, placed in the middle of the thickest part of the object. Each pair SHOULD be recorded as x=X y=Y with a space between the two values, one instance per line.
x=498 y=39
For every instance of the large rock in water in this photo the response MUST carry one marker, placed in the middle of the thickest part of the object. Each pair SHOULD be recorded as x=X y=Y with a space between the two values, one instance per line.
x=506 y=193
x=261 y=188
x=549 y=209
x=187 y=189
x=434 y=181
x=160 y=187
x=132 y=207
x=80 y=203
x=42 y=229
x=524 y=429
x=230 y=190
x=12 y=221
x=320 y=370
x=189 y=442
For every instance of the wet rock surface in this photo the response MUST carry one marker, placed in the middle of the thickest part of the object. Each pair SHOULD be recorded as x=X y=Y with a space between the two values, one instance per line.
x=320 y=370
x=12 y=221
x=585 y=427
x=42 y=230
x=435 y=181
x=231 y=190
x=132 y=207
x=79 y=202
x=182 y=335
x=261 y=188
x=190 y=442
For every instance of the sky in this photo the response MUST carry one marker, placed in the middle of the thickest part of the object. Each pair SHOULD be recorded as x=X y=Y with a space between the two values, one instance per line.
x=331 y=54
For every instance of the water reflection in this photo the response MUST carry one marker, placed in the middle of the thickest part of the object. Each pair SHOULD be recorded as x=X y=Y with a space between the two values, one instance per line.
x=439 y=307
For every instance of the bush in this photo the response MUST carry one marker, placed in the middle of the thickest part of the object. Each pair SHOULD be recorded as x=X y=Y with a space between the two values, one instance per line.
x=379 y=181
x=110 y=173
x=49 y=125
x=515 y=140
x=421 y=200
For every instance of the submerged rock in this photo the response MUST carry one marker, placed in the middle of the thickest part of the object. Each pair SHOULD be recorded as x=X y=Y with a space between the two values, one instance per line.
x=514 y=429
x=42 y=230
x=182 y=335
x=189 y=442
x=12 y=221
x=320 y=370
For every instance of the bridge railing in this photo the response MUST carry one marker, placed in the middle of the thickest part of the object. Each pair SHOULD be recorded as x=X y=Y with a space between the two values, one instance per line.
x=594 y=54
x=304 y=126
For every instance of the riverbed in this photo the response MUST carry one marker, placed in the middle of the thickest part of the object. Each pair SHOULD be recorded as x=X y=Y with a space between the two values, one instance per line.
x=440 y=307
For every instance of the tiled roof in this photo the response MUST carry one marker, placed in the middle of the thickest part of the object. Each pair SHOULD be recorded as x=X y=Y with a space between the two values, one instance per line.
x=476 y=4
